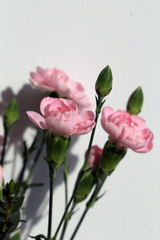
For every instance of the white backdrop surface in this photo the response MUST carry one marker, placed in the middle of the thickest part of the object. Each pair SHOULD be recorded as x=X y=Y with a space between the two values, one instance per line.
x=82 y=37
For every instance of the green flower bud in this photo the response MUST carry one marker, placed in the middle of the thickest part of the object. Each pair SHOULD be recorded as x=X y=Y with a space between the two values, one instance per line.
x=111 y=157
x=56 y=149
x=11 y=187
x=103 y=84
x=85 y=187
x=11 y=114
x=135 y=101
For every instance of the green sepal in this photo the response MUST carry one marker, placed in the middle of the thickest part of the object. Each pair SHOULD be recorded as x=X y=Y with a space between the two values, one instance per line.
x=17 y=236
x=84 y=187
x=56 y=149
x=135 y=102
x=11 y=114
x=103 y=84
x=111 y=156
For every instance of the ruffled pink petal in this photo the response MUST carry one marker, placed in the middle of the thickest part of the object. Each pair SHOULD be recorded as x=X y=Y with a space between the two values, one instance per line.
x=37 y=119
x=106 y=112
x=148 y=142
x=59 y=127
x=78 y=132
x=113 y=130
x=45 y=105
x=42 y=87
x=85 y=124
x=87 y=115
x=139 y=121
x=145 y=149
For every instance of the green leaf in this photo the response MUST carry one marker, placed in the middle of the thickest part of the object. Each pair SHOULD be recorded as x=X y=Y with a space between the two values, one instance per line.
x=17 y=203
x=14 y=219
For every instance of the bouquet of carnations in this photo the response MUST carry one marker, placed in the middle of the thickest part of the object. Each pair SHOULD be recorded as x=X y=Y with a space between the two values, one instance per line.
x=64 y=113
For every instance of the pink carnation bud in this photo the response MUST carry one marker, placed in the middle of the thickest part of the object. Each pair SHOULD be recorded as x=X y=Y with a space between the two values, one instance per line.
x=127 y=130
x=61 y=117
x=94 y=156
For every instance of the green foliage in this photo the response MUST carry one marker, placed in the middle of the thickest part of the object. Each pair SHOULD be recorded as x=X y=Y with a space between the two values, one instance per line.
x=10 y=210
x=11 y=114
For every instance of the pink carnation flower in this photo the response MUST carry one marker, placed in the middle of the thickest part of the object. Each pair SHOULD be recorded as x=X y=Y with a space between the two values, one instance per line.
x=61 y=116
x=127 y=130
x=94 y=156
x=56 y=80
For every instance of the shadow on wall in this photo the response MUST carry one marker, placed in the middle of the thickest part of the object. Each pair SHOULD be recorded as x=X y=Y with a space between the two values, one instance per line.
x=29 y=99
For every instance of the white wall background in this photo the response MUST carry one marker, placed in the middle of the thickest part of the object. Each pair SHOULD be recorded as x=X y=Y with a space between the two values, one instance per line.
x=82 y=37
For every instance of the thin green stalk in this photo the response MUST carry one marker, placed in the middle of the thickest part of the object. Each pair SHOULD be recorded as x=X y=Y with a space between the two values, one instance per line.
x=51 y=171
x=4 y=147
x=83 y=170
x=69 y=215
x=98 y=110
x=66 y=210
x=79 y=224
x=66 y=195
x=89 y=204
x=66 y=181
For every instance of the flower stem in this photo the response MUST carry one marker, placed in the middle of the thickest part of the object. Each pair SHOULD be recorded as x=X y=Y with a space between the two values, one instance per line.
x=66 y=181
x=51 y=171
x=98 y=110
x=79 y=223
x=89 y=204
x=83 y=170
x=67 y=220
x=4 y=147
x=66 y=210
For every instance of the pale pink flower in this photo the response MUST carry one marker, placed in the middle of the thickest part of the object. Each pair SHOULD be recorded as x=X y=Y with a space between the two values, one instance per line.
x=1 y=174
x=127 y=130
x=61 y=116
x=94 y=156
x=56 y=80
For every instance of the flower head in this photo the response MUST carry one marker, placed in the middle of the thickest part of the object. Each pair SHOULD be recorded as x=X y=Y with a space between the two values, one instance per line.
x=56 y=80
x=127 y=130
x=61 y=116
